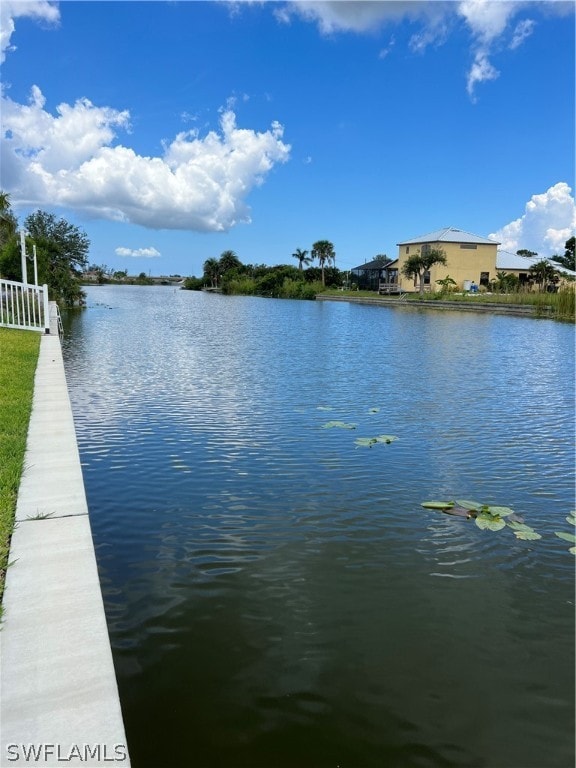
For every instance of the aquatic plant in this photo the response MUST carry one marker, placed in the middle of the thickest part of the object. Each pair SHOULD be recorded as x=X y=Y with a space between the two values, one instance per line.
x=368 y=442
x=488 y=517
x=361 y=442
x=571 y=518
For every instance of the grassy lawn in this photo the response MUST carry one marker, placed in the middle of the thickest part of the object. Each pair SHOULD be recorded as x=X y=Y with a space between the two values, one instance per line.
x=18 y=358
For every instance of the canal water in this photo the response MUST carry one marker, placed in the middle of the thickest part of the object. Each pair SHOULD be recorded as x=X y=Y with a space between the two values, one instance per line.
x=275 y=594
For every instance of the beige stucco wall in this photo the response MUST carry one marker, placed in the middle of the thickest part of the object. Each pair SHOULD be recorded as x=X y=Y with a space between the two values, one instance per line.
x=461 y=263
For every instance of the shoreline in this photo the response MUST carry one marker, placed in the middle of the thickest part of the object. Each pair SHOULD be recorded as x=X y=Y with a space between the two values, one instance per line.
x=58 y=690
x=521 y=310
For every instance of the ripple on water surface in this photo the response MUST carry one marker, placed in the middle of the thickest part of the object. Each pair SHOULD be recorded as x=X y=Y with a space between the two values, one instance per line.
x=275 y=592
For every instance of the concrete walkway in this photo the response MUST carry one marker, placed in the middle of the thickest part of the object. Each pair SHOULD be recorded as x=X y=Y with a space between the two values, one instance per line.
x=59 y=703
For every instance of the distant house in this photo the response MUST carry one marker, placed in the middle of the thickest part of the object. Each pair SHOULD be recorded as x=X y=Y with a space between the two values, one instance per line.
x=469 y=259
x=370 y=274
x=513 y=264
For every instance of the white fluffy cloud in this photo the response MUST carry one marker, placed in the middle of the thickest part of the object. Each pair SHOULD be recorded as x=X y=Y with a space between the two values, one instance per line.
x=13 y=9
x=548 y=221
x=333 y=16
x=489 y=22
x=70 y=159
x=138 y=253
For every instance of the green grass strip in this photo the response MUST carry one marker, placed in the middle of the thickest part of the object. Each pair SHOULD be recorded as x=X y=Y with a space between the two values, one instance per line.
x=18 y=358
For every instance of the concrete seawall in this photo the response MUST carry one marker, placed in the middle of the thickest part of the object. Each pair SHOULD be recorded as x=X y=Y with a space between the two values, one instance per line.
x=461 y=306
x=59 y=703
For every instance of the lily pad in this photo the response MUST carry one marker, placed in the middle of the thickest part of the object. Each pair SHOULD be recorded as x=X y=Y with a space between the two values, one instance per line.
x=573 y=550
x=518 y=526
x=368 y=442
x=472 y=505
x=340 y=424
x=501 y=511
x=490 y=523
x=437 y=504
x=365 y=442
x=527 y=535
x=566 y=536
x=571 y=518
x=386 y=438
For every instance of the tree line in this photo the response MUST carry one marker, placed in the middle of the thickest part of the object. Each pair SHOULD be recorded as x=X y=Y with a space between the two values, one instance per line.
x=61 y=251
x=229 y=275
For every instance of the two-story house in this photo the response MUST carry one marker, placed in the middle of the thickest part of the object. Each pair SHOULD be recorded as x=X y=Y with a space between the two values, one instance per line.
x=470 y=259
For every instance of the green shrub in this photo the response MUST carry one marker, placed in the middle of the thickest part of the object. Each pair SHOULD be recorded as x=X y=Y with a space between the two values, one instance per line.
x=193 y=284
x=241 y=286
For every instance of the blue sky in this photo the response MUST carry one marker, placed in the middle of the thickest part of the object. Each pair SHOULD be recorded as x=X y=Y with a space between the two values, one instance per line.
x=171 y=132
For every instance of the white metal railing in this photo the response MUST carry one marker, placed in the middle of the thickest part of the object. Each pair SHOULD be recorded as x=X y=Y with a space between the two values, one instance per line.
x=24 y=306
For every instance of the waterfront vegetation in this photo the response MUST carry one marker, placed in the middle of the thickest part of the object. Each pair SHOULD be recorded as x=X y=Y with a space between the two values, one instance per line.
x=560 y=305
x=17 y=368
x=283 y=281
x=230 y=276
x=59 y=250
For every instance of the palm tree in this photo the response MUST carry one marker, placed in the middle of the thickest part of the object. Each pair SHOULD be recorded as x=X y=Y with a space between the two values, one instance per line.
x=544 y=273
x=228 y=261
x=420 y=263
x=323 y=250
x=302 y=257
x=211 y=271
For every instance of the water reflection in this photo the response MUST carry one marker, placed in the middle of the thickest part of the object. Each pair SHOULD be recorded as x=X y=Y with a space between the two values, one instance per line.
x=275 y=595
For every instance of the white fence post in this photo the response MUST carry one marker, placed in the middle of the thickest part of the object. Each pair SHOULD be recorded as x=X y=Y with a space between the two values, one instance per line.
x=46 y=309
x=23 y=256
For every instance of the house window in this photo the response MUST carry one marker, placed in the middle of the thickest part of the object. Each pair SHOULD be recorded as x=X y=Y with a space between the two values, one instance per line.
x=485 y=278
x=426 y=278
x=469 y=246
x=407 y=249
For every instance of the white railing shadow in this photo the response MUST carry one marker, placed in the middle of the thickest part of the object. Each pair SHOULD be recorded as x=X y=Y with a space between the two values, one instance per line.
x=24 y=306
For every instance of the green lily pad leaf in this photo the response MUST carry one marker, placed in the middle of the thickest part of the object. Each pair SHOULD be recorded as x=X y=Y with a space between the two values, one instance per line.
x=502 y=511
x=527 y=535
x=386 y=438
x=365 y=442
x=374 y=410
x=566 y=536
x=518 y=526
x=487 y=522
x=573 y=550
x=340 y=424
x=472 y=505
x=571 y=518
x=437 y=504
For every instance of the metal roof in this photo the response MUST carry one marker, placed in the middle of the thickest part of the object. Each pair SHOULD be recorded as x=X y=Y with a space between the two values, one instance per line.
x=374 y=264
x=449 y=235
x=506 y=260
